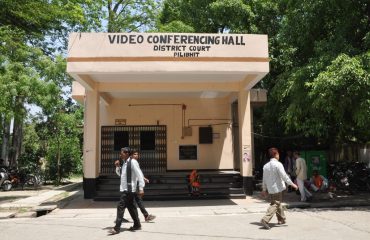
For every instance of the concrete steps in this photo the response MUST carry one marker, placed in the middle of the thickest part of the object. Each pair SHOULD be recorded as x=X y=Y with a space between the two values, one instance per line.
x=174 y=186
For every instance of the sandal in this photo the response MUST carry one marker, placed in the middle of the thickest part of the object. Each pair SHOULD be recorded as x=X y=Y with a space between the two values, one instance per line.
x=282 y=221
x=113 y=231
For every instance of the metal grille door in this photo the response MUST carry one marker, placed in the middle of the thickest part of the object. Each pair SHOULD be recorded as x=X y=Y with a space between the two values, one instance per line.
x=150 y=141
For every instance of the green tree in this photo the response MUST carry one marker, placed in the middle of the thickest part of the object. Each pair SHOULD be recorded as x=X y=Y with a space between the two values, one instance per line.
x=32 y=34
x=64 y=144
x=329 y=45
x=208 y=15
x=314 y=46
x=20 y=84
x=340 y=96
x=33 y=37
x=193 y=13
x=130 y=15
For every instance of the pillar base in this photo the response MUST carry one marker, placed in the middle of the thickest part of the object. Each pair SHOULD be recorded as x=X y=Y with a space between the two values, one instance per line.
x=248 y=185
x=89 y=186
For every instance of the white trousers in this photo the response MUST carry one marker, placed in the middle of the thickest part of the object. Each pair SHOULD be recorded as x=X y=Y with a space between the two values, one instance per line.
x=303 y=190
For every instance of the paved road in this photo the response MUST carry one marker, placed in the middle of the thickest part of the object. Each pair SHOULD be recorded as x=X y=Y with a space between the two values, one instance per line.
x=208 y=219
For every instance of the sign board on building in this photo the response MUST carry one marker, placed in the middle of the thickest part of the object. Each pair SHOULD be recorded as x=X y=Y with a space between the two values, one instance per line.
x=120 y=121
x=166 y=45
x=188 y=152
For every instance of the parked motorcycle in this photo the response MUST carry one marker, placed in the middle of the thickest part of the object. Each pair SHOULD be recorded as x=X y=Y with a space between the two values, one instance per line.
x=5 y=183
x=360 y=177
x=339 y=176
x=349 y=177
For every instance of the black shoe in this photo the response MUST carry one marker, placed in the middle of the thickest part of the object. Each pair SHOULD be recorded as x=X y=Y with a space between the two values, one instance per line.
x=134 y=228
x=124 y=220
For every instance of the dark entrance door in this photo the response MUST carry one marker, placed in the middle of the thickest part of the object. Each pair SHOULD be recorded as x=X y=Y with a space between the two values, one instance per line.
x=150 y=141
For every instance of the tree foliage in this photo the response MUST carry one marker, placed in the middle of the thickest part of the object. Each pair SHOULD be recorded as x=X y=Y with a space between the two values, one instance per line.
x=319 y=50
x=64 y=141
x=324 y=91
x=207 y=15
x=33 y=38
x=33 y=44
x=130 y=15
x=319 y=78
x=340 y=95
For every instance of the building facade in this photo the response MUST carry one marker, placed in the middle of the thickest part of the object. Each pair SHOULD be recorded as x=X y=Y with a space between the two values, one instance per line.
x=185 y=101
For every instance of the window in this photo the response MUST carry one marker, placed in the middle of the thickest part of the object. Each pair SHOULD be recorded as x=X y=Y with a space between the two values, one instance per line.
x=205 y=135
x=120 y=140
x=147 y=140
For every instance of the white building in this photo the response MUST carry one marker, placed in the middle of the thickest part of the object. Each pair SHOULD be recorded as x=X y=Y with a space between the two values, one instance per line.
x=183 y=100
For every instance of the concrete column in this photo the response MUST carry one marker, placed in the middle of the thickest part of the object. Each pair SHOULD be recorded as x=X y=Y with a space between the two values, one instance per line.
x=91 y=142
x=245 y=140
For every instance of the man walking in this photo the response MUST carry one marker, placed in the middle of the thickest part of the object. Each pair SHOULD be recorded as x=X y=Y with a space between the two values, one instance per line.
x=301 y=172
x=138 y=199
x=274 y=179
x=129 y=171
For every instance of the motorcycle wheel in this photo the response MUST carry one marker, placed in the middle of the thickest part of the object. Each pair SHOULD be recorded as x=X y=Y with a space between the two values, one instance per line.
x=7 y=185
x=31 y=181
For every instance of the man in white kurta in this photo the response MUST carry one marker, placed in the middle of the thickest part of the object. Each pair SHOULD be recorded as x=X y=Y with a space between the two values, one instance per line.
x=301 y=172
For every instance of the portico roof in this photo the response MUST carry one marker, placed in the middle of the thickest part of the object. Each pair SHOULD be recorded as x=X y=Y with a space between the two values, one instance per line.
x=129 y=65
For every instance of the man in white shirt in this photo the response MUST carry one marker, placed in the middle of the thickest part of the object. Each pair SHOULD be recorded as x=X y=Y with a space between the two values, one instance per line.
x=301 y=172
x=273 y=183
x=129 y=171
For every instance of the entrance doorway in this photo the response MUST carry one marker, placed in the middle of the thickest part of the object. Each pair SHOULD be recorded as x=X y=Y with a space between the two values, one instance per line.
x=150 y=141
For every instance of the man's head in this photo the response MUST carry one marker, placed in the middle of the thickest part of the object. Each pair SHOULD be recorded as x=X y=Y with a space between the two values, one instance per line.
x=296 y=154
x=315 y=173
x=125 y=152
x=273 y=153
x=135 y=154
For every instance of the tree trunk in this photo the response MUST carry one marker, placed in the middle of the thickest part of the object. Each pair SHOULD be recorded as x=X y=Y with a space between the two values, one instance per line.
x=5 y=140
x=16 y=142
x=110 y=16
x=17 y=138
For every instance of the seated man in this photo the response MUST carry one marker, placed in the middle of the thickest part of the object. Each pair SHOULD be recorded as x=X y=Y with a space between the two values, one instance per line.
x=318 y=182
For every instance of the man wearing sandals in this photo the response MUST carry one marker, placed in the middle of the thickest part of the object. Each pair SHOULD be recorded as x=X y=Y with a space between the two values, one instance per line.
x=274 y=179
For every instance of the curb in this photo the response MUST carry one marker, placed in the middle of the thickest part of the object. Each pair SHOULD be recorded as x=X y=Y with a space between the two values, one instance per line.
x=43 y=207
x=357 y=203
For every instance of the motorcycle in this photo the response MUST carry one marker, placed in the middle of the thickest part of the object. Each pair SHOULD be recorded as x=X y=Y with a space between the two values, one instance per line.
x=5 y=183
x=360 y=178
x=339 y=176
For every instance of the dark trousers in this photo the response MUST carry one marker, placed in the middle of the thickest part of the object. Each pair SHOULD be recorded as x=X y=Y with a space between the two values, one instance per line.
x=127 y=201
x=140 y=204
x=139 y=201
